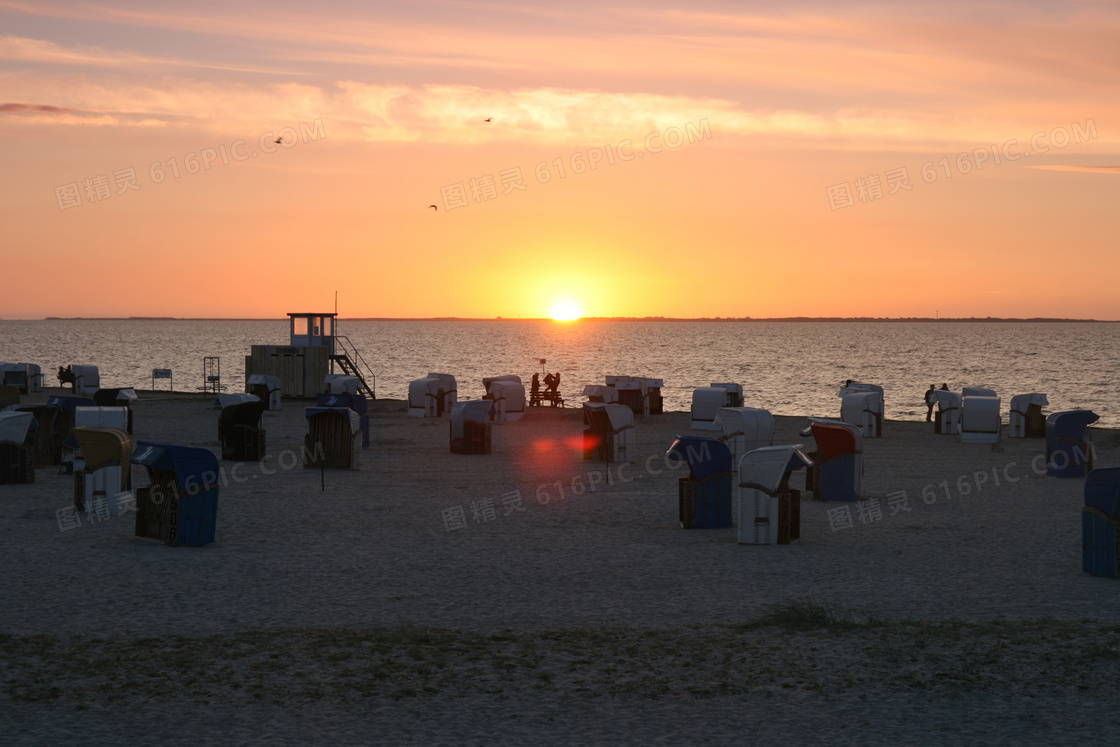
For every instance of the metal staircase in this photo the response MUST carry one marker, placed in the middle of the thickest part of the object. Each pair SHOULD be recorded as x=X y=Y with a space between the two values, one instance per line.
x=351 y=363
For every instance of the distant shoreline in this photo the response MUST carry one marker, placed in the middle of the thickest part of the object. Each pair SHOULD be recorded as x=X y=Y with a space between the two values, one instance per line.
x=834 y=319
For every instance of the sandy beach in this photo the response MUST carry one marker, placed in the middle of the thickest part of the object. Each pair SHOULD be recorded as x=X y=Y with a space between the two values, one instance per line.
x=357 y=609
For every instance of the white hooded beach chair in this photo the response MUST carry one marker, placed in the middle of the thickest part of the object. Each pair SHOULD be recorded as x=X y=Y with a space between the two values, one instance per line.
x=115 y=418
x=633 y=391
x=948 y=416
x=978 y=391
x=761 y=506
x=1026 y=411
x=341 y=384
x=266 y=388
x=706 y=403
x=745 y=429
x=599 y=393
x=470 y=431
x=733 y=396
x=87 y=379
x=609 y=434
x=980 y=420
x=863 y=409
x=432 y=396
x=509 y=400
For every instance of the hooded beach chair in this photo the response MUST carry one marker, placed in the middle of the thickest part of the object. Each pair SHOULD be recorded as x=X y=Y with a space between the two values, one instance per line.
x=509 y=400
x=87 y=380
x=15 y=375
x=1100 y=523
x=432 y=397
x=1026 y=419
x=105 y=475
x=978 y=391
x=837 y=461
x=745 y=429
x=356 y=402
x=733 y=396
x=980 y=419
x=704 y=497
x=1069 y=452
x=60 y=419
x=341 y=384
x=655 y=404
x=17 y=447
x=769 y=511
x=34 y=378
x=470 y=427
x=599 y=393
x=334 y=438
x=633 y=391
x=706 y=403
x=91 y=417
x=179 y=506
x=121 y=397
x=608 y=433
x=947 y=419
x=266 y=388
x=241 y=432
x=863 y=409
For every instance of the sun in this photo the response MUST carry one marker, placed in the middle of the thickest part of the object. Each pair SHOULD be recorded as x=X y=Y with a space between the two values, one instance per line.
x=565 y=311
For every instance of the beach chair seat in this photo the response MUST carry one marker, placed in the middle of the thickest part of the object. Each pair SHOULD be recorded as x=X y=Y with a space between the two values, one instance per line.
x=15 y=375
x=733 y=396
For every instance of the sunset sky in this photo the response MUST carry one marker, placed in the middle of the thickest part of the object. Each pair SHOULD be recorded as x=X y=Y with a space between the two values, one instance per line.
x=760 y=145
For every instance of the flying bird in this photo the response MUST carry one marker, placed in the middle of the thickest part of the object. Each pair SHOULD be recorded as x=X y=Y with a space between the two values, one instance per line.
x=487 y=119
x=433 y=207
x=279 y=139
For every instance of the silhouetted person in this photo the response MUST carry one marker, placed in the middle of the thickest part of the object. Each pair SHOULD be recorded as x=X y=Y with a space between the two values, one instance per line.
x=930 y=401
x=944 y=387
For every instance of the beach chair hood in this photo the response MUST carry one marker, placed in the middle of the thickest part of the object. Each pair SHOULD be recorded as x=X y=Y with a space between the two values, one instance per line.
x=14 y=427
x=705 y=456
x=194 y=468
x=764 y=469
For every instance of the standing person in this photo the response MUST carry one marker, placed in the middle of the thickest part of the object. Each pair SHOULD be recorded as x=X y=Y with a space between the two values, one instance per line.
x=930 y=401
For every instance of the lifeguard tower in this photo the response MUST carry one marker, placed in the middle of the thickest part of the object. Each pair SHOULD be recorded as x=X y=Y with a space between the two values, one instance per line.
x=314 y=351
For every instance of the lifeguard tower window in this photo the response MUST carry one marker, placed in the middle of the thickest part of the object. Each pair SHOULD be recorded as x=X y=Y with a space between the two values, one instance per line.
x=299 y=325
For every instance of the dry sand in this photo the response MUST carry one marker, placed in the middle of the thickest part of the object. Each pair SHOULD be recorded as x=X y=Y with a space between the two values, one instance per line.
x=354 y=614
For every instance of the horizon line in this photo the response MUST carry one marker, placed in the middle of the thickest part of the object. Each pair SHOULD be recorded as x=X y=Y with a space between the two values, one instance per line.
x=585 y=319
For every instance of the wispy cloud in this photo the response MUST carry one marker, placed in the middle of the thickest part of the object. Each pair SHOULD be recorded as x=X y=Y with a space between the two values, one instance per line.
x=1075 y=167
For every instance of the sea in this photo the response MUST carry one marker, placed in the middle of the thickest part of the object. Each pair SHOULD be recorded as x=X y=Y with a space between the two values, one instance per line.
x=787 y=367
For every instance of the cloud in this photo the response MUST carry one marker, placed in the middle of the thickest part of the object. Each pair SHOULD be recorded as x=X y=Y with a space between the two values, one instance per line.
x=1074 y=167
x=18 y=108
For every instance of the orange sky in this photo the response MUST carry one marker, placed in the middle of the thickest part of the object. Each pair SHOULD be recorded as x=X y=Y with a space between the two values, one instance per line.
x=385 y=105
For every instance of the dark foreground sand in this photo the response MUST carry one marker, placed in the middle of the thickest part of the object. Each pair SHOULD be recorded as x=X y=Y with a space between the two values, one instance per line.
x=353 y=613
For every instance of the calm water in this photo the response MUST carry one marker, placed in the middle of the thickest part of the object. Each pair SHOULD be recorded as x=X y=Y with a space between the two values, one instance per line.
x=789 y=368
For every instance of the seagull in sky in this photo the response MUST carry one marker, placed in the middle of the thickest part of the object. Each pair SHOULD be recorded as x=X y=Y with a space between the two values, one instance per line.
x=487 y=119
x=279 y=139
x=433 y=207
